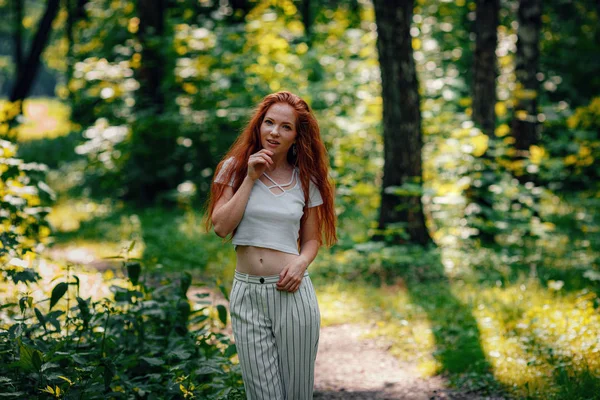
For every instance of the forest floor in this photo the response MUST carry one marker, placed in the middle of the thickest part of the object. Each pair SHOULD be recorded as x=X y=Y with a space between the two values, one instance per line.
x=348 y=366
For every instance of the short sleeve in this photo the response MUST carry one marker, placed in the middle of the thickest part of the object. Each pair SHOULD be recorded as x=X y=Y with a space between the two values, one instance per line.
x=227 y=165
x=314 y=195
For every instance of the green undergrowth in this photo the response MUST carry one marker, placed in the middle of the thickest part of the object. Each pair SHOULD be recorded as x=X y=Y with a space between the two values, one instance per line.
x=170 y=240
x=526 y=336
x=76 y=334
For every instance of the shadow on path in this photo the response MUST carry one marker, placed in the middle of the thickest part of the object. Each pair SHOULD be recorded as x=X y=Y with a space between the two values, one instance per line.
x=457 y=336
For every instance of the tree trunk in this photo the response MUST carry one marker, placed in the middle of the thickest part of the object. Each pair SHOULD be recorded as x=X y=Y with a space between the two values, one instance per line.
x=18 y=37
x=27 y=73
x=483 y=88
x=401 y=120
x=75 y=12
x=484 y=65
x=524 y=124
x=307 y=18
x=240 y=9
x=152 y=69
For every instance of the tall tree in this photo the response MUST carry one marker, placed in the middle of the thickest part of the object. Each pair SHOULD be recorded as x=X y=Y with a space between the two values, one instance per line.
x=307 y=18
x=484 y=65
x=18 y=35
x=147 y=171
x=403 y=140
x=27 y=73
x=240 y=9
x=152 y=70
x=483 y=89
x=524 y=123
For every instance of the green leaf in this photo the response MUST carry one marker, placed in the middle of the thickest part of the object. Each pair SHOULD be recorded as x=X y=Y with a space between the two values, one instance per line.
x=40 y=317
x=153 y=360
x=76 y=283
x=230 y=351
x=186 y=282
x=224 y=291
x=181 y=354
x=29 y=358
x=24 y=301
x=133 y=271
x=131 y=246
x=36 y=359
x=57 y=293
x=109 y=372
x=84 y=310
x=222 y=313
x=208 y=369
x=4 y=379
x=66 y=379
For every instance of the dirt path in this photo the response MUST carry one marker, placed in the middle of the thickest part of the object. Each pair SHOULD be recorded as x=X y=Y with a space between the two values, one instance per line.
x=351 y=368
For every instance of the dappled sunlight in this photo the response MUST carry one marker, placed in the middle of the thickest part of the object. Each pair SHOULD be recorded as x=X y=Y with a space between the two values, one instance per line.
x=526 y=329
x=43 y=118
x=390 y=314
x=67 y=215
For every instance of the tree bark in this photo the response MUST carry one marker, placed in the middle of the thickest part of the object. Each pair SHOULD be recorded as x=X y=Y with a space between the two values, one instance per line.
x=484 y=65
x=152 y=70
x=524 y=123
x=307 y=18
x=18 y=38
x=27 y=73
x=401 y=119
x=240 y=9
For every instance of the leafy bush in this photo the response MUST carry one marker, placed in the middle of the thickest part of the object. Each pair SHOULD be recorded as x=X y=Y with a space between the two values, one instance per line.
x=379 y=263
x=23 y=194
x=148 y=342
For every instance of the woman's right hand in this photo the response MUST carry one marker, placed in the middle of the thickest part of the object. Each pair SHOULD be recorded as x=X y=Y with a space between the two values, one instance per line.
x=258 y=163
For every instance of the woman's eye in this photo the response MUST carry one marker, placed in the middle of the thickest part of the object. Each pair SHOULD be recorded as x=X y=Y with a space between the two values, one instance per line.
x=287 y=127
x=268 y=122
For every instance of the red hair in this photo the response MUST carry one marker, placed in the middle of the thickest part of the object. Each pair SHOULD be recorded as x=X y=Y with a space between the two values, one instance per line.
x=311 y=159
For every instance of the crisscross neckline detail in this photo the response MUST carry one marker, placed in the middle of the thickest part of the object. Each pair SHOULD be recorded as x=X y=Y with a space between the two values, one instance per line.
x=279 y=186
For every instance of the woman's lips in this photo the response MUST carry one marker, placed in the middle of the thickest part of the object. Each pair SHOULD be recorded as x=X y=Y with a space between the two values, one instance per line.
x=274 y=144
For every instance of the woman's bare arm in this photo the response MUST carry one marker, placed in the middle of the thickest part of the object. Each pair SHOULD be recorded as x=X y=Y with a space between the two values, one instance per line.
x=309 y=242
x=230 y=207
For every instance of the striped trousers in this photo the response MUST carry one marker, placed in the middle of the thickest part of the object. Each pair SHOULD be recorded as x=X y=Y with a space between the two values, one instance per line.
x=277 y=335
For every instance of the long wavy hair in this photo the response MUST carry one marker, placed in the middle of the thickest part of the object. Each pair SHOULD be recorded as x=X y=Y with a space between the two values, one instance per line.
x=311 y=160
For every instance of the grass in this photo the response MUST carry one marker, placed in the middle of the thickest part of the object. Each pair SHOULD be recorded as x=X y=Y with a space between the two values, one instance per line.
x=521 y=334
x=522 y=338
x=525 y=337
x=171 y=240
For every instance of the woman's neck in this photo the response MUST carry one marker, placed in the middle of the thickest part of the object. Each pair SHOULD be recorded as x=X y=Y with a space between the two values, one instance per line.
x=281 y=165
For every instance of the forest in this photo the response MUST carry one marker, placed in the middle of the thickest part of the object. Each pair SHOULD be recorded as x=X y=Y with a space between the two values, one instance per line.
x=464 y=143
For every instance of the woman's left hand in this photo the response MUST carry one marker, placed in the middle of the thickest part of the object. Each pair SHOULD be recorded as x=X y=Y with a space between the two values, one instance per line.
x=291 y=276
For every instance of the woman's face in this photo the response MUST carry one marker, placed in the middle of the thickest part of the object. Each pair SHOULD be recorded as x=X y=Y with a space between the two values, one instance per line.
x=278 y=129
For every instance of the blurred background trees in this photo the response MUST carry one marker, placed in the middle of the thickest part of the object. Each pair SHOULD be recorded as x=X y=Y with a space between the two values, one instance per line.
x=470 y=125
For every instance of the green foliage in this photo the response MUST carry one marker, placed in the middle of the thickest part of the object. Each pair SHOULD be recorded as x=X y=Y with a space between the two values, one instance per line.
x=23 y=196
x=148 y=342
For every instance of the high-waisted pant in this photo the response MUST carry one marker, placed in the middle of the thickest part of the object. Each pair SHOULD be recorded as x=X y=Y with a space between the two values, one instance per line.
x=276 y=335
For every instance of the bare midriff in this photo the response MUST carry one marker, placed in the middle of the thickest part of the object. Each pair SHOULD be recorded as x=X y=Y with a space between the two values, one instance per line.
x=261 y=261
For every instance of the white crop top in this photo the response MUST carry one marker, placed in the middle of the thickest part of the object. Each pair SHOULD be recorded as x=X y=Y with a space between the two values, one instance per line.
x=272 y=220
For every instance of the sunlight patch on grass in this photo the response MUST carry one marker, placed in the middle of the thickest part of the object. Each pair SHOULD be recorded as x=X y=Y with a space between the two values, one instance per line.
x=43 y=118
x=68 y=214
x=528 y=334
x=551 y=329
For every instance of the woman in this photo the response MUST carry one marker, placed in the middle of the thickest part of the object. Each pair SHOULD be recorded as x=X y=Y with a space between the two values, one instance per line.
x=272 y=194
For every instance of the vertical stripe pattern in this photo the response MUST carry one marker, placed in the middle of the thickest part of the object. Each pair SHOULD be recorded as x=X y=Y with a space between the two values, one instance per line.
x=276 y=335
